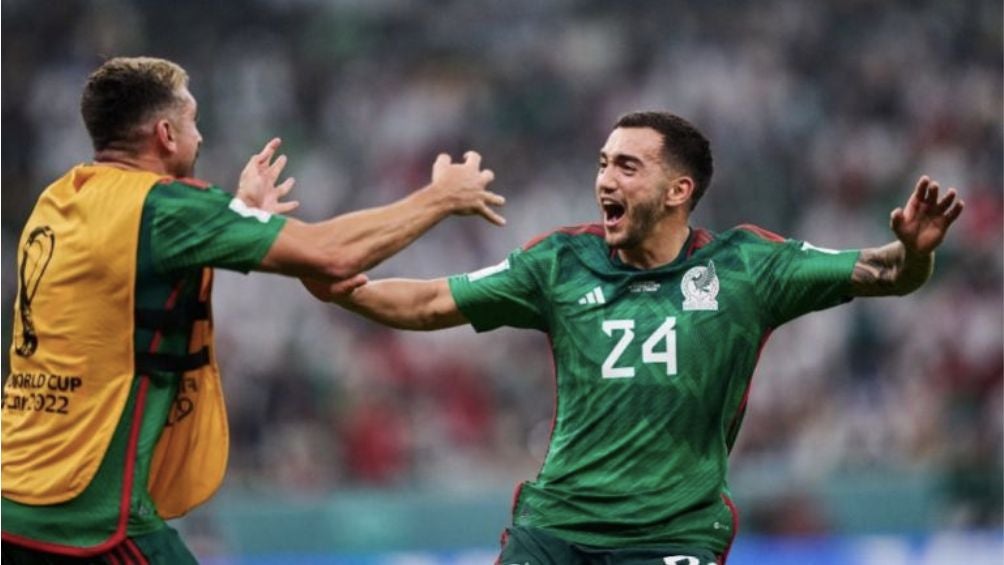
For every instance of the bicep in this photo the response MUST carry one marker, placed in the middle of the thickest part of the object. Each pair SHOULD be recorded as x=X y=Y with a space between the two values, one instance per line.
x=193 y=228
x=295 y=252
x=802 y=278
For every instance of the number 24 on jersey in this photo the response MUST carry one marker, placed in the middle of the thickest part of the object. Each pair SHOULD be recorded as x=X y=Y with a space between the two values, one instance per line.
x=660 y=347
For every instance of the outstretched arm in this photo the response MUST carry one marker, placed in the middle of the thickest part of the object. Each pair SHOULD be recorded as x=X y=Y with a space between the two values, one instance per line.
x=351 y=243
x=406 y=304
x=905 y=265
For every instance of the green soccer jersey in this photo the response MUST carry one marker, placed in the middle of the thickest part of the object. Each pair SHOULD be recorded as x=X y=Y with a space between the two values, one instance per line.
x=652 y=367
x=185 y=226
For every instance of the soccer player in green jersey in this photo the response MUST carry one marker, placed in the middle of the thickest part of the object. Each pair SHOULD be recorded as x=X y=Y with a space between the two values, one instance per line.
x=655 y=327
x=113 y=416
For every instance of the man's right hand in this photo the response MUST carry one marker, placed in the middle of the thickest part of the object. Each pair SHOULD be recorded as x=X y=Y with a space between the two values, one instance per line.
x=463 y=187
x=257 y=186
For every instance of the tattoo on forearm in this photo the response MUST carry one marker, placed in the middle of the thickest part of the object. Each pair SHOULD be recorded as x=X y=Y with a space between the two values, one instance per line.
x=890 y=270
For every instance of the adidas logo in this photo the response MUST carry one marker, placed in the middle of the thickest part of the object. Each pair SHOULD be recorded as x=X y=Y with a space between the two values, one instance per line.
x=594 y=296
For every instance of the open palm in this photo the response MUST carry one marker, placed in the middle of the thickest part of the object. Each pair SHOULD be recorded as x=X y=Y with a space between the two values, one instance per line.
x=922 y=224
x=257 y=186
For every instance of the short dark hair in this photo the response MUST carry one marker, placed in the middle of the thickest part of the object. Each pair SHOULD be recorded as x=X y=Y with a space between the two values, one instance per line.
x=683 y=146
x=124 y=92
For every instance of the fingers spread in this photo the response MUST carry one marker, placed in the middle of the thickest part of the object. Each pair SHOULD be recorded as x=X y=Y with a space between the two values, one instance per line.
x=472 y=158
x=932 y=195
x=921 y=190
x=276 y=168
x=896 y=219
x=954 y=212
x=947 y=201
x=266 y=153
x=286 y=207
x=494 y=199
x=284 y=188
x=491 y=215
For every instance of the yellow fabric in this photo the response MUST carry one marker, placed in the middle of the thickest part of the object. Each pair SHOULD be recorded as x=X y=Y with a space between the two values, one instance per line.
x=191 y=455
x=72 y=357
x=54 y=440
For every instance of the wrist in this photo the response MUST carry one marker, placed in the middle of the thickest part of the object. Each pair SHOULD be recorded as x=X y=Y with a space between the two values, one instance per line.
x=246 y=198
x=912 y=254
x=433 y=198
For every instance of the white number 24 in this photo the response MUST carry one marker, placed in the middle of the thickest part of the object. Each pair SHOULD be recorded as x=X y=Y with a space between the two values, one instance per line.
x=664 y=335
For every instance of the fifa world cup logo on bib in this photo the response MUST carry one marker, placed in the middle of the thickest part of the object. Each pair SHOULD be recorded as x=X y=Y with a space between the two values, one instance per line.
x=700 y=288
x=35 y=257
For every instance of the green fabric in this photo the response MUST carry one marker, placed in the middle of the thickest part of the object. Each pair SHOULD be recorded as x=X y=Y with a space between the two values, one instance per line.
x=163 y=547
x=195 y=228
x=166 y=258
x=531 y=545
x=650 y=388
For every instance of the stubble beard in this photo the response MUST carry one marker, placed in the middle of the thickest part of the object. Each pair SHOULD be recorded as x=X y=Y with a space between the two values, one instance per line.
x=640 y=220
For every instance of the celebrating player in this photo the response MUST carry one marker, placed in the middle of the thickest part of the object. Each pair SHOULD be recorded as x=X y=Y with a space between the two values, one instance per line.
x=113 y=417
x=655 y=327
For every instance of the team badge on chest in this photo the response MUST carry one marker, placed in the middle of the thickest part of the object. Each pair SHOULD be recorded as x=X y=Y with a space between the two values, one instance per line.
x=700 y=288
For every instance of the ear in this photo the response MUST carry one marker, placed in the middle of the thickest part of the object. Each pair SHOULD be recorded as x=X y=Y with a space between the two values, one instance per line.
x=165 y=136
x=679 y=192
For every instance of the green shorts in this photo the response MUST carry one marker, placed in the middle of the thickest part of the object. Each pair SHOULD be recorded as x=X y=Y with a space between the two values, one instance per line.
x=163 y=547
x=532 y=546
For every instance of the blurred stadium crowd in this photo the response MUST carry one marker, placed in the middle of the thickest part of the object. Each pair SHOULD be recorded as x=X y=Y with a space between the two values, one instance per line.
x=821 y=115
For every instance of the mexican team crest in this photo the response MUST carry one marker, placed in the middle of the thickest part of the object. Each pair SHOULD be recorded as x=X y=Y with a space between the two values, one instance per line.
x=700 y=288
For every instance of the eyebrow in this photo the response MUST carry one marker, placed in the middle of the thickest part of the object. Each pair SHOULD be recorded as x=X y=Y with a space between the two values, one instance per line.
x=622 y=159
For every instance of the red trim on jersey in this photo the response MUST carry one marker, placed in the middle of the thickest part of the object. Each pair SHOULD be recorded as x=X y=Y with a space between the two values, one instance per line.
x=130 y=462
x=503 y=540
x=699 y=239
x=135 y=551
x=763 y=233
x=519 y=489
x=580 y=229
x=735 y=527
x=749 y=385
x=190 y=181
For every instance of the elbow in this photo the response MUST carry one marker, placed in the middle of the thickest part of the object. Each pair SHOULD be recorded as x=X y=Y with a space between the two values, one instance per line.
x=341 y=266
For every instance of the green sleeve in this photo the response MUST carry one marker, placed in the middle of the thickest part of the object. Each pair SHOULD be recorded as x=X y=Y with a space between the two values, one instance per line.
x=793 y=278
x=194 y=227
x=506 y=294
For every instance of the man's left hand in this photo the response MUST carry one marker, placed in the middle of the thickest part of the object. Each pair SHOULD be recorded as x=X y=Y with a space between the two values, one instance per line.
x=922 y=224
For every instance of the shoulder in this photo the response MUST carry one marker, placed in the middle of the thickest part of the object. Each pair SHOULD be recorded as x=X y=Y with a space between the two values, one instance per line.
x=185 y=187
x=752 y=236
x=179 y=191
x=754 y=233
x=580 y=232
x=189 y=182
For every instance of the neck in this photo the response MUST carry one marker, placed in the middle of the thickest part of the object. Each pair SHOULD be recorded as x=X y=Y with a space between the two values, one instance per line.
x=660 y=247
x=132 y=161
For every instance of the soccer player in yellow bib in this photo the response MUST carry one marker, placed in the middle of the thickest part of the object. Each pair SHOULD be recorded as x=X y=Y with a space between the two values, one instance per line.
x=113 y=418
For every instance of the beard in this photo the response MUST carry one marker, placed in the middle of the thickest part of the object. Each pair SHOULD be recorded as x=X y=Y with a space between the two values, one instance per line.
x=186 y=168
x=641 y=216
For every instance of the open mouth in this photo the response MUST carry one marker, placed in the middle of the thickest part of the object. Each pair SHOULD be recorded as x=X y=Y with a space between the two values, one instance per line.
x=613 y=212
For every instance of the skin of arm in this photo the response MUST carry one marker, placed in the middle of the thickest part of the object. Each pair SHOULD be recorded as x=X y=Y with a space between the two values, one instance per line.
x=341 y=247
x=905 y=265
x=352 y=243
x=405 y=304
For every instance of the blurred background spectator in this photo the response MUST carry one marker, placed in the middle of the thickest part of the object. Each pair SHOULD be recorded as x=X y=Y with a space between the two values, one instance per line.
x=821 y=115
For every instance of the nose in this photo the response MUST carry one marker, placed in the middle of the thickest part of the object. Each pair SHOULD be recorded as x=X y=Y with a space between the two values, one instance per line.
x=606 y=181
